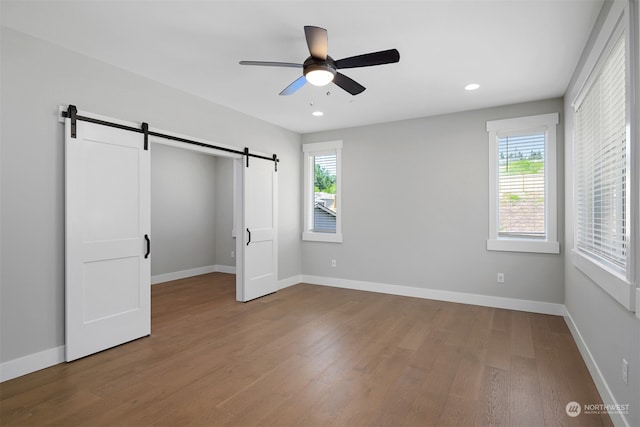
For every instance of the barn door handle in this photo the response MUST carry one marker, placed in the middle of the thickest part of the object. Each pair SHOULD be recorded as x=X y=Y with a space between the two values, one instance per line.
x=146 y=237
x=249 y=241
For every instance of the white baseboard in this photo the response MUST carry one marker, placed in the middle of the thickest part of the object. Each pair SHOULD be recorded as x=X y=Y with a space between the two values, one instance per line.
x=599 y=380
x=440 y=295
x=289 y=281
x=31 y=363
x=229 y=269
x=176 y=275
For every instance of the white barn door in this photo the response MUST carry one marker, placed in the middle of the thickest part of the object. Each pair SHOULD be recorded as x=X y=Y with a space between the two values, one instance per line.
x=260 y=218
x=108 y=300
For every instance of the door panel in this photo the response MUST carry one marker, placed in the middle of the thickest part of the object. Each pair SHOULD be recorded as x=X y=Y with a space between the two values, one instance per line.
x=110 y=288
x=260 y=246
x=107 y=217
x=110 y=200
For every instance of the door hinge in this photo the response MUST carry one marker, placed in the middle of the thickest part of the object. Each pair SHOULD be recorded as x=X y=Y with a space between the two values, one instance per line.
x=275 y=162
x=246 y=154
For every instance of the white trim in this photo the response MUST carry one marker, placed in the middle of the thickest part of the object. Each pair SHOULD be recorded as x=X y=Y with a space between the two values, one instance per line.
x=497 y=128
x=633 y=133
x=322 y=237
x=542 y=121
x=289 y=281
x=611 y=29
x=615 y=285
x=33 y=362
x=439 y=295
x=523 y=245
x=228 y=269
x=191 y=147
x=598 y=378
x=183 y=274
x=322 y=146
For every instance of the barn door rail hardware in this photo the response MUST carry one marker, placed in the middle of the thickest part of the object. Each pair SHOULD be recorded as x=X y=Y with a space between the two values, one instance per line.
x=72 y=114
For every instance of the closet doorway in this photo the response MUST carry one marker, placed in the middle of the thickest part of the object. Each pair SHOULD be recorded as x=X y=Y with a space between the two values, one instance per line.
x=191 y=213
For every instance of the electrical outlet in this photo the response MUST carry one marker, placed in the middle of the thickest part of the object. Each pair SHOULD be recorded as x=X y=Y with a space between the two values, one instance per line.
x=333 y=263
x=625 y=371
x=500 y=277
x=233 y=254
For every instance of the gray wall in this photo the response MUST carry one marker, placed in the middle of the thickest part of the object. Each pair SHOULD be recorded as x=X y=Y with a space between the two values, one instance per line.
x=183 y=209
x=225 y=244
x=609 y=331
x=36 y=77
x=415 y=209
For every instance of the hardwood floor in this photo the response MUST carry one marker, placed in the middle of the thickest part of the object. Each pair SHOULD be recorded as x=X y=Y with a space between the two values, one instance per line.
x=315 y=356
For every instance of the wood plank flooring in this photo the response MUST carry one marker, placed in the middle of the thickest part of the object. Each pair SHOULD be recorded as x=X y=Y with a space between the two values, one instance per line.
x=315 y=356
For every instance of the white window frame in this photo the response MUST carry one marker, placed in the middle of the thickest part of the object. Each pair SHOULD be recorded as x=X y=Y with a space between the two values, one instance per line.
x=519 y=125
x=621 y=287
x=310 y=151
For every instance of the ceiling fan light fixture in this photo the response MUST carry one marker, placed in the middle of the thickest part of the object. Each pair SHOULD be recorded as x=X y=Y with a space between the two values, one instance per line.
x=319 y=75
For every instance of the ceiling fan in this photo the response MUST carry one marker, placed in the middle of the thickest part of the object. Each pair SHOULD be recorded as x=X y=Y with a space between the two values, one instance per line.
x=320 y=69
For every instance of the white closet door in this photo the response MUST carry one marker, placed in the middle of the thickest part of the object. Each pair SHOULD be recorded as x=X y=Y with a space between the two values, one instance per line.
x=108 y=300
x=260 y=246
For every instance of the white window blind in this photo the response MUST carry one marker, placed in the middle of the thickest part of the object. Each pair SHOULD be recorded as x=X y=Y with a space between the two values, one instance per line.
x=602 y=204
x=521 y=182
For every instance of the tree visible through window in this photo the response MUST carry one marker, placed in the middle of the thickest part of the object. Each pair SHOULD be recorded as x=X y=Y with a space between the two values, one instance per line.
x=324 y=215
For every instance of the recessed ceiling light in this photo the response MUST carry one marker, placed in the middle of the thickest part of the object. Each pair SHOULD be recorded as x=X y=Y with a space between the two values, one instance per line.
x=472 y=86
x=318 y=113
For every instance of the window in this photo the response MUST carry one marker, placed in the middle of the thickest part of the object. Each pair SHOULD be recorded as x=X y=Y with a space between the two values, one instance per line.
x=322 y=184
x=601 y=166
x=604 y=200
x=523 y=184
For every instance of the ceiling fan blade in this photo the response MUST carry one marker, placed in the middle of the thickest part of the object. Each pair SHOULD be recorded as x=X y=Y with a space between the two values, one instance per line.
x=348 y=84
x=271 y=64
x=369 y=59
x=293 y=87
x=317 y=41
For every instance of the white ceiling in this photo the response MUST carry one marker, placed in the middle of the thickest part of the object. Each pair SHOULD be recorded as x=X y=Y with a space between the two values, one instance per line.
x=517 y=50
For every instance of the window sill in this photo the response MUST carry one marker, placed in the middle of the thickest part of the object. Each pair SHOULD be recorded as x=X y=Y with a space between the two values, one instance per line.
x=610 y=281
x=322 y=237
x=523 y=245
